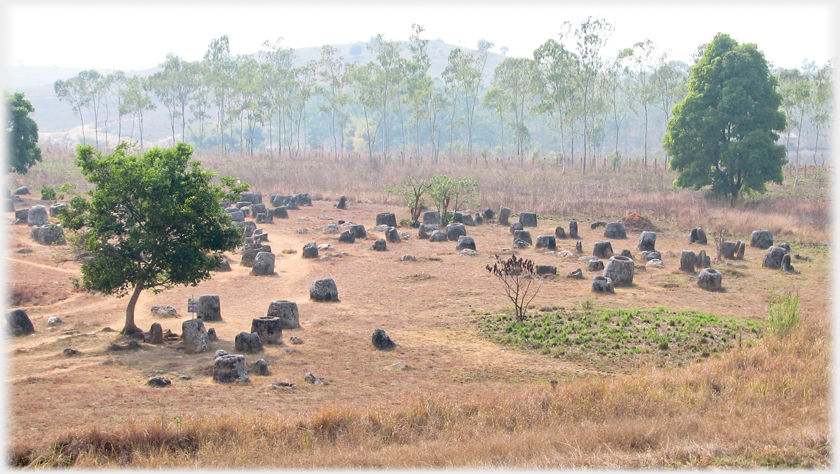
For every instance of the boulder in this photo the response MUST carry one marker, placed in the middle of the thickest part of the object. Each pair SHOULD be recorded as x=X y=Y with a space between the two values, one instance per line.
x=156 y=332
x=386 y=218
x=762 y=239
x=454 y=231
x=224 y=265
x=521 y=244
x=408 y=258
x=438 y=236
x=269 y=328
x=576 y=275
x=347 y=237
x=392 y=235
x=543 y=270
x=528 y=219
x=260 y=367
x=37 y=215
x=57 y=209
x=602 y=284
x=620 y=270
x=522 y=235
x=195 y=336
x=249 y=257
x=48 y=234
x=773 y=257
x=279 y=212
x=310 y=250
x=231 y=369
x=358 y=231
x=18 y=323
x=504 y=215
x=546 y=242
x=264 y=218
x=211 y=334
x=559 y=232
x=516 y=226
x=249 y=343
x=626 y=253
x=332 y=228
x=488 y=214
x=159 y=381
x=651 y=255
x=594 y=265
x=615 y=230
x=342 y=203
x=256 y=209
x=380 y=245
x=648 y=241
x=465 y=242
x=381 y=341
x=727 y=250
x=21 y=216
x=286 y=311
x=709 y=279
x=786 y=266
x=431 y=217
x=603 y=249
x=573 y=229
x=688 y=260
x=253 y=198
x=54 y=321
x=209 y=308
x=303 y=199
x=740 y=247
x=264 y=264
x=579 y=247
x=467 y=219
x=21 y=191
x=236 y=216
x=698 y=236
x=425 y=230
x=292 y=204
x=323 y=290
x=703 y=260
x=597 y=224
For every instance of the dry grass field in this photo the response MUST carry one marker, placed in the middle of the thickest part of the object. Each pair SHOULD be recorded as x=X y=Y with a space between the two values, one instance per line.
x=449 y=395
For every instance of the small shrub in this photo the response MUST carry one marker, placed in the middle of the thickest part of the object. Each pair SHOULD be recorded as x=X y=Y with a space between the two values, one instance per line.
x=518 y=276
x=782 y=313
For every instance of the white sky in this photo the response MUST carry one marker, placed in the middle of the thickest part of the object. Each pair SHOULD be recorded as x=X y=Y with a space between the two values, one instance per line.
x=97 y=34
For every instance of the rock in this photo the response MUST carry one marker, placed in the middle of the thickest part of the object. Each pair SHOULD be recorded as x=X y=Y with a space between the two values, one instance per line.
x=381 y=228
x=648 y=241
x=303 y=199
x=615 y=230
x=358 y=231
x=620 y=270
x=194 y=336
x=431 y=217
x=21 y=216
x=602 y=284
x=286 y=311
x=323 y=290
x=331 y=228
x=603 y=249
x=773 y=257
x=159 y=381
x=220 y=353
x=709 y=279
x=579 y=247
x=454 y=231
x=68 y=352
x=465 y=242
x=740 y=247
x=687 y=261
x=264 y=218
x=546 y=242
x=236 y=216
x=292 y=204
x=594 y=265
x=425 y=230
x=727 y=250
x=310 y=250
x=786 y=266
x=54 y=321
x=528 y=219
x=516 y=226
x=21 y=191
x=279 y=212
x=595 y=225
x=157 y=334
x=253 y=198
x=651 y=255
x=504 y=215
x=269 y=329
x=488 y=214
x=467 y=219
x=559 y=232
x=314 y=380
x=231 y=369
x=386 y=218
x=211 y=334
x=18 y=323
x=342 y=203
x=260 y=367
x=626 y=253
x=57 y=209
x=224 y=265
x=256 y=209
x=656 y=263
x=209 y=308
x=542 y=270
x=408 y=258
x=249 y=343
x=48 y=234
x=784 y=246
x=392 y=236
x=381 y=341
x=347 y=237
x=438 y=236
x=264 y=264
x=762 y=239
x=698 y=236
x=249 y=257
x=703 y=260
x=247 y=227
x=576 y=275
x=521 y=244
x=380 y=245
x=523 y=235
x=295 y=340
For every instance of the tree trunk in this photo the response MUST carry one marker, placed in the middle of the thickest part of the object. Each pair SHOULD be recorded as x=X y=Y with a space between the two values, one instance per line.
x=130 y=327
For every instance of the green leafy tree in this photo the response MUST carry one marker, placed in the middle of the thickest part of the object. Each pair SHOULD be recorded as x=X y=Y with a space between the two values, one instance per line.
x=152 y=222
x=22 y=134
x=449 y=193
x=414 y=192
x=519 y=79
x=723 y=133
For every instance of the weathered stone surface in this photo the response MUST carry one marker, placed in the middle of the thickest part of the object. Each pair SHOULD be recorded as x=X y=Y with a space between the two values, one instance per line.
x=727 y=250
x=392 y=235
x=703 y=260
x=211 y=334
x=626 y=253
x=762 y=239
x=209 y=308
x=528 y=219
x=260 y=367
x=488 y=214
x=248 y=227
x=358 y=231
x=546 y=242
x=594 y=265
x=332 y=228
x=231 y=369
x=54 y=321
x=698 y=236
x=546 y=270
x=264 y=218
x=687 y=261
x=347 y=237
x=286 y=311
x=21 y=191
x=386 y=218
x=248 y=342
x=786 y=266
x=573 y=229
x=453 y=231
x=59 y=208
x=408 y=258
x=579 y=247
x=603 y=249
x=37 y=215
x=467 y=219
x=523 y=235
x=559 y=232
x=254 y=198
x=195 y=336
x=21 y=216
x=156 y=334
x=380 y=245
x=576 y=275
x=381 y=341
x=303 y=199
x=465 y=242
x=504 y=215
x=236 y=216
x=264 y=264
x=648 y=241
x=342 y=203
x=425 y=230
x=18 y=323
x=48 y=234
x=292 y=203
x=773 y=257
x=438 y=236
x=516 y=226
x=597 y=224
x=68 y=352
x=651 y=255
x=709 y=279
x=602 y=284
x=224 y=265
x=521 y=244
x=740 y=247
x=159 y=381
x=256 y=209
x=310 y=250
x=279 y=212
x=269 y=328
x=620 y=270
x=249 y=257
x=431 y=217
x=323 y=290
x=615 y=230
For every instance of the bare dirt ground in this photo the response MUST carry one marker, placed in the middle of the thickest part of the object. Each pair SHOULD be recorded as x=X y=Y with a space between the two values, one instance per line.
x=428 y=307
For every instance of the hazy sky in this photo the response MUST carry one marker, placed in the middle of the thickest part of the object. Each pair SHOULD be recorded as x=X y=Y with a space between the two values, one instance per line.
x=98 y=34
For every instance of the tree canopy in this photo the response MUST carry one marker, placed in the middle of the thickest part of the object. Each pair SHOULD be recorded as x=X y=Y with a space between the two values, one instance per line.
x=24 y=151
x=723 y=133
x=153 y=221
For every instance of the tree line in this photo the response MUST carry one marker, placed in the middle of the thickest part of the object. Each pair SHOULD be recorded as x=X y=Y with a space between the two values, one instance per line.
x=570 y=104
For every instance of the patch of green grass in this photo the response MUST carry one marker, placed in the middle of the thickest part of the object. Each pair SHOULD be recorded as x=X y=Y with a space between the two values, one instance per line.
x=619 y=338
